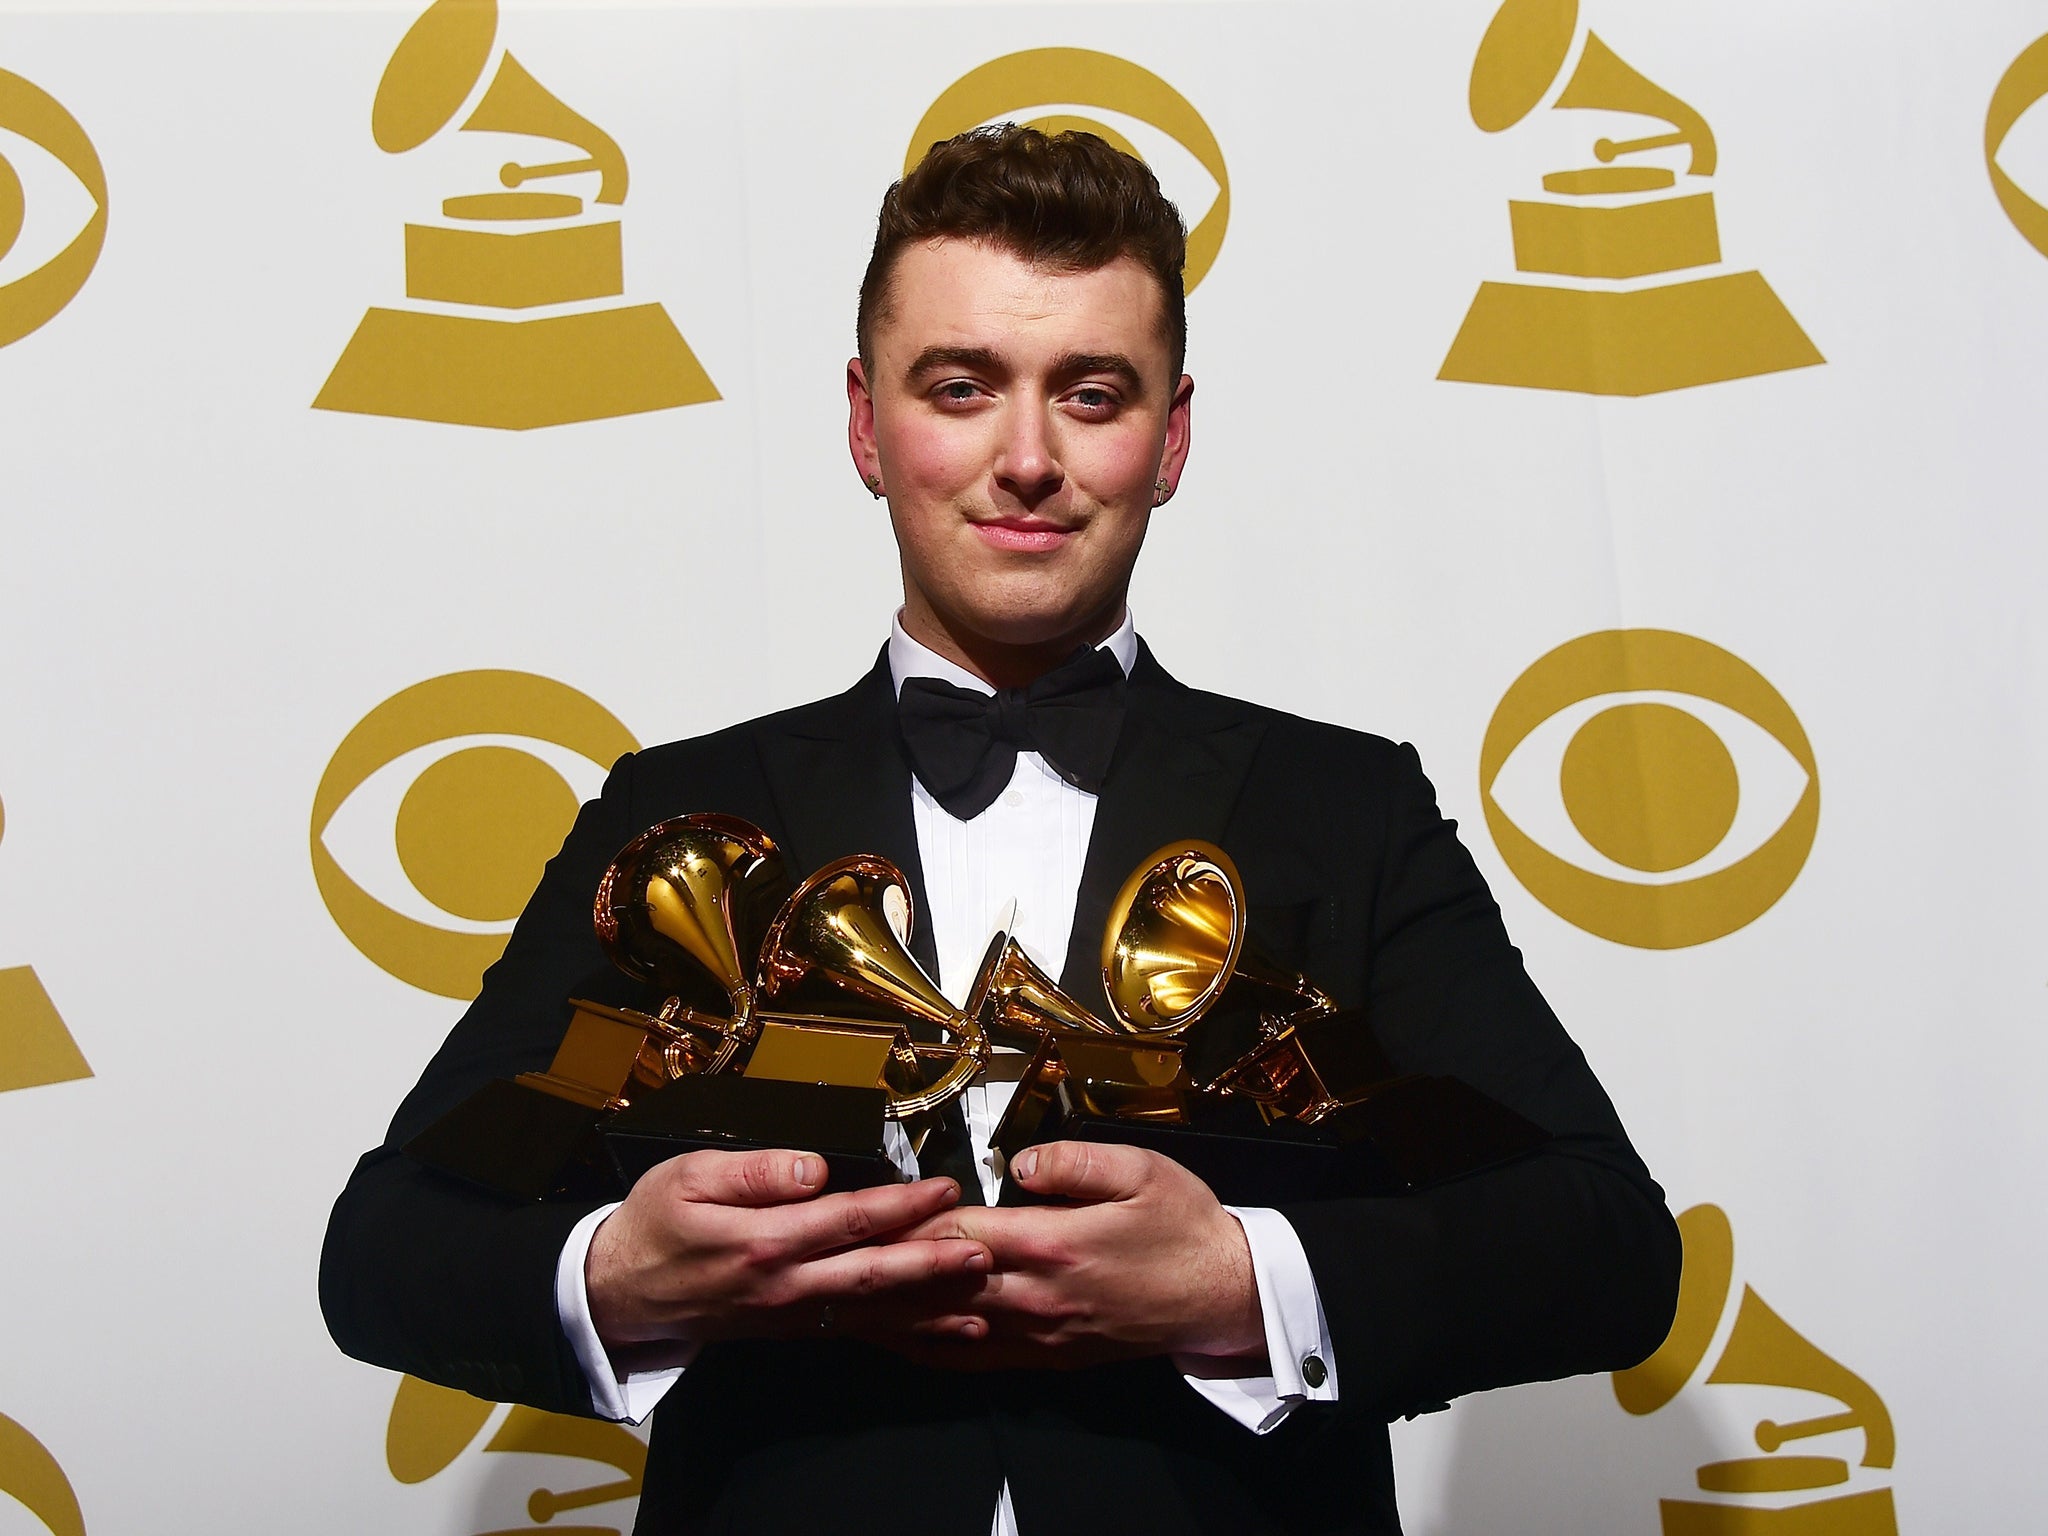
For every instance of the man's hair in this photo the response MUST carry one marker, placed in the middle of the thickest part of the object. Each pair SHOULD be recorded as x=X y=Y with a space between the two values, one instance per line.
x=1065 y=200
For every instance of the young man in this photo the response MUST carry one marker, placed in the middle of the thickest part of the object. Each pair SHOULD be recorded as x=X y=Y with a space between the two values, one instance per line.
x=1136 y=1357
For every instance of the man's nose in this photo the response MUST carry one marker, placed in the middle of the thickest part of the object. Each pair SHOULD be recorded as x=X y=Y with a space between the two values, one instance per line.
x=1028 y=466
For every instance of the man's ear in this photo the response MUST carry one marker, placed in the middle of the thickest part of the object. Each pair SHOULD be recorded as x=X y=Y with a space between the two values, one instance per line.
x=860 y=426
x=1179 y=428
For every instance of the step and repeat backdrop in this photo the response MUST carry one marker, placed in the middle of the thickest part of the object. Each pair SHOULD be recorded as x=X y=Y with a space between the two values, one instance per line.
x=406 y=409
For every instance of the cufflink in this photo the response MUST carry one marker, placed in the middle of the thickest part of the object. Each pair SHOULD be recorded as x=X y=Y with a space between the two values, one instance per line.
x=1313 y=1371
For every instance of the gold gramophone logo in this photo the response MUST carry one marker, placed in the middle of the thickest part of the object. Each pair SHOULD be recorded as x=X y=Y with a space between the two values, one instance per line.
x=1649 y=787
x=35 y=1047
x=2025 y=83
x=32 y=299
x=1846 y=1493
x=1628 y=297
x=30 y=1475
x=502 y=252
x=1043 y=87
x=431 y=1426
x=469 y=769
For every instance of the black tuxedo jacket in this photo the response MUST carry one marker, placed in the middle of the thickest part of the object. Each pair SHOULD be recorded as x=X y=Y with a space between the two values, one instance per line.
x=1563 y=1262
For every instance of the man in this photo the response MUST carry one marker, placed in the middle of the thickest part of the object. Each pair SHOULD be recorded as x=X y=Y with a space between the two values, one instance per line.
x=1133 y=1356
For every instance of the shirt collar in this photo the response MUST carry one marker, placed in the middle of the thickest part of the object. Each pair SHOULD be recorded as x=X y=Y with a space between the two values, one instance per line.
x=909 y=658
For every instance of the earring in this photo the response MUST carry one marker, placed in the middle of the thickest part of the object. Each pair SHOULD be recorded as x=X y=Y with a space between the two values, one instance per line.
x=1160 y=491
x=875 y=486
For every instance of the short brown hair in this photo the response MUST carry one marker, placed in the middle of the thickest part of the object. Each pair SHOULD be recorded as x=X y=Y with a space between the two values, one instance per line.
x=1065 y=199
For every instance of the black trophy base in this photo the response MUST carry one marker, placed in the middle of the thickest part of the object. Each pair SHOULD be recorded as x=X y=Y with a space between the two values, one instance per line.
x=737 y=1114
x=520 y=1141
x=1408 y=1135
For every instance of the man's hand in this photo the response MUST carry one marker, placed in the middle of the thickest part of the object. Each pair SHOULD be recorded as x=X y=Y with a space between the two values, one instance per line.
x=1144 y=1262
x=742 y=1244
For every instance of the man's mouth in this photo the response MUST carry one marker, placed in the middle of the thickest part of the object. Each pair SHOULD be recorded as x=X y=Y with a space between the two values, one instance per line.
x=1029 y=535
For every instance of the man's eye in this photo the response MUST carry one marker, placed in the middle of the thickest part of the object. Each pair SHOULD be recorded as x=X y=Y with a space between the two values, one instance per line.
x=1093 y=399
x=956 y=389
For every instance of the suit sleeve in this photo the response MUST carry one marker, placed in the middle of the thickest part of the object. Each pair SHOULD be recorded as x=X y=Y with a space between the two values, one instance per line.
x=1563 y=1262
x=425 y=1274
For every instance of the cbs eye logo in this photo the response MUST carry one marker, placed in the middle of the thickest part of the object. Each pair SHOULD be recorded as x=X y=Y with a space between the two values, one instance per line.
x=31 y=1476
x=39 y=138
x=1057 y=89
x=2024 y=83
x=449 y=798
x=1649 y=787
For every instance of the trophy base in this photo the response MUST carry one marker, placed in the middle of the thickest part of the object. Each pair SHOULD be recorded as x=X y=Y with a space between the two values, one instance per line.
x=522 y=1141
x=1409 y=1134
x=515 y=374
x=1631 y=342
x=735 y=1114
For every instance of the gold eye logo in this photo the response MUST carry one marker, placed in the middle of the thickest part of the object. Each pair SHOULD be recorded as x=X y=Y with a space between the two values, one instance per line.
x=1649 y=787
x=471 y=827
x=431 y=1426
x=2025 y=83
x=1047 y=83
x=33 y=299
x=35 y=1047
x=30 y=1474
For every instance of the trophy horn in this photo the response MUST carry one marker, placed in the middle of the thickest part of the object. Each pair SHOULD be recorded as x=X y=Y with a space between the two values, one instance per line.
x=684 y=903
x=1020 y=1005
x=1175 y=945
x=837 y=950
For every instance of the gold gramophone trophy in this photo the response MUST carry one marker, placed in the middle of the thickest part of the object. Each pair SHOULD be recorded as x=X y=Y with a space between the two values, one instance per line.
x=1246 y=1074
x=1639 y=308
x=675 y=910
x=473 y=362
x=790 y=1019
x=842 y=1033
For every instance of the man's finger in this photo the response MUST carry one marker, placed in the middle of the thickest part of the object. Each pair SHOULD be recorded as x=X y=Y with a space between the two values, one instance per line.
x=860 y=1216
x=876 y=1271
x=1083 y=1170
x=745 y=1178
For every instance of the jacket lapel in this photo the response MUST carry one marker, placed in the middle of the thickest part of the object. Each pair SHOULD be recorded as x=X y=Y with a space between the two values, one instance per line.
x=1179 y=764
x=841 y=786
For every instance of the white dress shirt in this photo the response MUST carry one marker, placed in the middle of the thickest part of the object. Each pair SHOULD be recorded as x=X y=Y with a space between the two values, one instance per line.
x=1029 y=846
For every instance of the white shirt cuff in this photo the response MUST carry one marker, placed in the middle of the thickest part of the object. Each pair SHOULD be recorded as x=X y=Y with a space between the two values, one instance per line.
x=627 y=1396
x=1303 y=1364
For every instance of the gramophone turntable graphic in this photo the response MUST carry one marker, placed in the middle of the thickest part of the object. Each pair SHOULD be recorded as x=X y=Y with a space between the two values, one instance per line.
x=504 y=251
x=1641 y=307
x=1772 y=1494
x=35 y=1047
x=431 y=1426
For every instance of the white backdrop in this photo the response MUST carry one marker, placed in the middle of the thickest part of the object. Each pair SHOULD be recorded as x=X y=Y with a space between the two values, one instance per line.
x=206 y=585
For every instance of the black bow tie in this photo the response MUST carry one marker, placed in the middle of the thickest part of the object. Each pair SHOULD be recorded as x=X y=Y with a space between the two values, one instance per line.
x=963 y=745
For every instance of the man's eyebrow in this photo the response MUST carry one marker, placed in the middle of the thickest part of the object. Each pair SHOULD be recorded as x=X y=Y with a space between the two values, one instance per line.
x=1074 y=365
x=973 y=359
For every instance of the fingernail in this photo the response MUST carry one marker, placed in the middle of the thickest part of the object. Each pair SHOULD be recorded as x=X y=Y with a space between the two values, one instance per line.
x=952 y=1193
x=807 y=1171
x=971 y=1329
x=977 y=1261
x=1025 y=1163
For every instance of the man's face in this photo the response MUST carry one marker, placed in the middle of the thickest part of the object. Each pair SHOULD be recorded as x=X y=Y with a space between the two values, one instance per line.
x=1021 y=419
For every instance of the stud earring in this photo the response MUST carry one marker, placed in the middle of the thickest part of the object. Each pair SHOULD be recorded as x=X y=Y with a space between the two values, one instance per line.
x=1160 y=491
x=875 y=486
